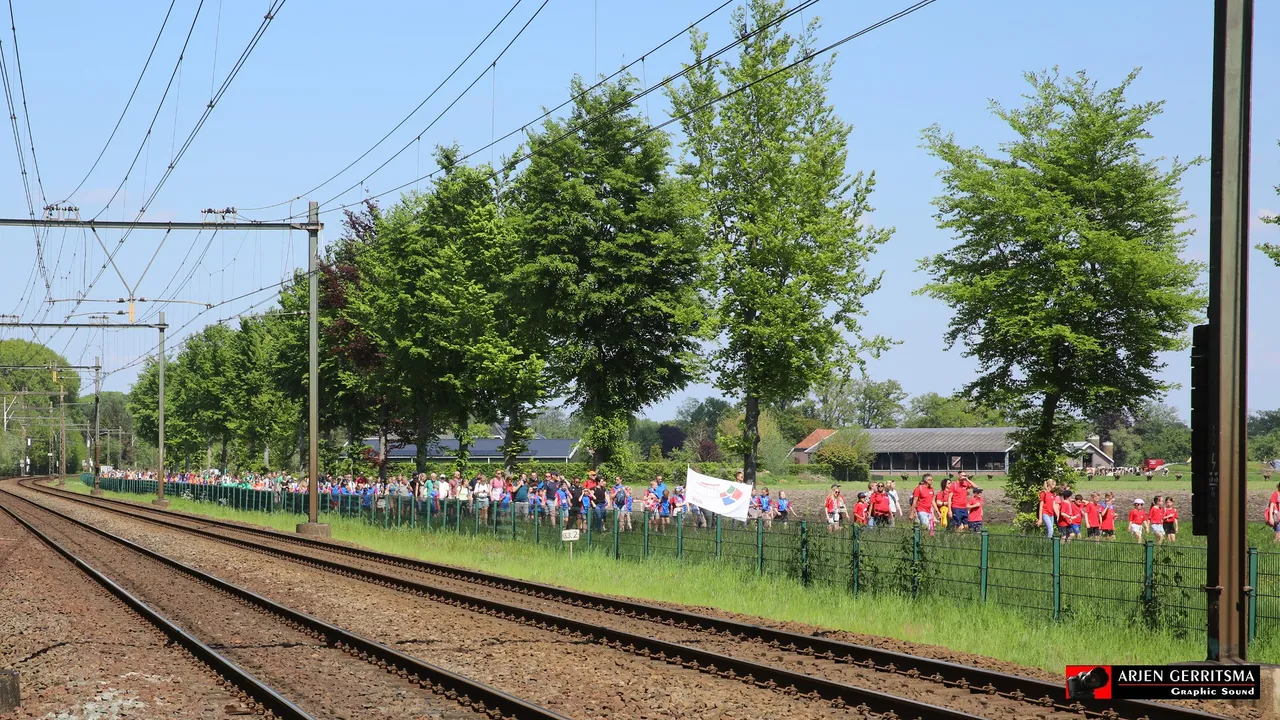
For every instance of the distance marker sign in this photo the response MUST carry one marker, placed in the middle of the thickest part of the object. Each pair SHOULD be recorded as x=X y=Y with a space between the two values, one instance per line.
x=1164 y=682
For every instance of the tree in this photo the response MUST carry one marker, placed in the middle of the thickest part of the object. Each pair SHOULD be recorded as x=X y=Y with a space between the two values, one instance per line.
x=831 y=400
x=1164 y=434
x=1262 y=422
x=846 y=450
x=702 y=415
x=609 y=262
x=877 y=404
x=672 y=437
x=931 y=410
x=1272 y=250
x=1265 y=447
x=1089 y=232
x=783 y=219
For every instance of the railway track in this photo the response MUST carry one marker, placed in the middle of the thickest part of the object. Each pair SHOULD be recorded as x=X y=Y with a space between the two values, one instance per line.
x=291 y=653
x=716 y=637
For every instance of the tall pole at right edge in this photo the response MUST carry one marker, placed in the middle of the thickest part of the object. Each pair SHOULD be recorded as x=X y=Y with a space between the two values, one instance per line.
x=1228 y=336
x=160 y=501
x=312 y=526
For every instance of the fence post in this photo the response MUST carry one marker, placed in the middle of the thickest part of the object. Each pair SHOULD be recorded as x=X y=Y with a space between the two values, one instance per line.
x=759 y=547
x=513 y=519
x=983 y=567
x=1253 y=593
x=537 y=528
x=854 y=561
x=1057 y=577
x=680 y=539
x=457 y=510
x=719 y=539
x=616 y=550
x=646 y=534
x=1148 y=571
x=805 y=577
x=915 y=560
x=590 y=521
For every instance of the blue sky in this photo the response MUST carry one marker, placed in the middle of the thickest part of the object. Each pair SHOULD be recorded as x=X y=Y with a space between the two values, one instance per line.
x=327 y=80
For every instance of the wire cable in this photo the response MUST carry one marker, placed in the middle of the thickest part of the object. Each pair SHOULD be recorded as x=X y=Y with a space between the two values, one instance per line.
x=127 y=104
x=404 y=120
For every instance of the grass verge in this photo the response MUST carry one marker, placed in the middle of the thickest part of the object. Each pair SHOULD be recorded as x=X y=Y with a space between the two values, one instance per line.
x=997 y=632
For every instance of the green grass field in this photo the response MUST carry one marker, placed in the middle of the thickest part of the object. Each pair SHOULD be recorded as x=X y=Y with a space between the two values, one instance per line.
x=1103 y=618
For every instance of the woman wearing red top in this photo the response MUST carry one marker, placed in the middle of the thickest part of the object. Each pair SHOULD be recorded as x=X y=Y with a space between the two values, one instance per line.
x=1137 y=520
x=1170 y=520
x=1048 y=508
x=880 y=507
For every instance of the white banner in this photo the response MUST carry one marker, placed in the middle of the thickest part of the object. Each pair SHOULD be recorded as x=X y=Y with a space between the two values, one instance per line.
x=718 y=496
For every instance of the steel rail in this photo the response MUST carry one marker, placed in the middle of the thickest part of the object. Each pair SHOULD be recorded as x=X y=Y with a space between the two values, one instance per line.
x=470 y=693
x=975 y=679
x=267 y=699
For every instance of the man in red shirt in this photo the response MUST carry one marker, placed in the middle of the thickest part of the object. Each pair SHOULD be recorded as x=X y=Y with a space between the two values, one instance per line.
x=975 y=511
x=1093 y=518
x=922 y=503
x=1137 y=520
x=960 y=504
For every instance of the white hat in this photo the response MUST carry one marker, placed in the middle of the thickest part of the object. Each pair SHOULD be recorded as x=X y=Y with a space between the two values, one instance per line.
x=1137 y=501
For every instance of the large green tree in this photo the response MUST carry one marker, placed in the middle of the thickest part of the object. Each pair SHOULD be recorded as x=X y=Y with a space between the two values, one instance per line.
x=1068 y=281
x=931 y=410
x=784 y=220
x=609 y=261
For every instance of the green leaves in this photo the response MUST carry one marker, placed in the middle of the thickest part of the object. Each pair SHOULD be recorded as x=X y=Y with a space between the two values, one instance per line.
x=608 y=260
x=1088 y=231
x=783 y=219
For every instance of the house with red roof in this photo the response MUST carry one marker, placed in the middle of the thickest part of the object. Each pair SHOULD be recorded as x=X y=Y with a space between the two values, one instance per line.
x=803 y=452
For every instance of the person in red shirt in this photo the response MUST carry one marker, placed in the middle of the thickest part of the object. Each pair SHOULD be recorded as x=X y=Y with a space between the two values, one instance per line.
x=860 y=509
x=1093 y=518
x=960 y=504
x=1137 y=520
x=1048 y=508
x=975 y=511
x=922 y=503
x=881 y=511
x=832 y=508
x=943 y=504
x=1170 y=520
x=1155 y=518
x=1066 y=510
x=1107 y=514
x=1273 y=513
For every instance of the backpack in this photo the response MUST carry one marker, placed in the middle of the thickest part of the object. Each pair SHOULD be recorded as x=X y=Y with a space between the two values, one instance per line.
x=620 y=498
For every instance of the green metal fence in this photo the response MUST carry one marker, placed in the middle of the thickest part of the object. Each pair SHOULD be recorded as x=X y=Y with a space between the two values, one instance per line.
x=1154 y=586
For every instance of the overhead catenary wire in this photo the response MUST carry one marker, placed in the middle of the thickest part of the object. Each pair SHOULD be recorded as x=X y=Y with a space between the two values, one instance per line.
x=649 y=129
x=447 y=108
x=403 y=120
x=272 y=11
x=128 y=103
x=590 y=119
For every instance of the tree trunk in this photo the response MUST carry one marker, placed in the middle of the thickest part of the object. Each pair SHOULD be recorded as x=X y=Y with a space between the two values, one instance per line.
x=464 y=438
x=752 y=432
x=422 y=457
x=382 y=449
x=222 y=462
x=515 y=425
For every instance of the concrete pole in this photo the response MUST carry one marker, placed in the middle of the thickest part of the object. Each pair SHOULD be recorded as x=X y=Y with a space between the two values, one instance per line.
x=313 y=527
x=160 y=499
x=97 y=392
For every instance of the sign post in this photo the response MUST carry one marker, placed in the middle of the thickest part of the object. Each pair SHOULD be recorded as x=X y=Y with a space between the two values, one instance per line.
x=569 y=536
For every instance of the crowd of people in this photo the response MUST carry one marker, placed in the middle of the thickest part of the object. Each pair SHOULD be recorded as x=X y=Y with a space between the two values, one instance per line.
x=1067 y=513
x=578 y=502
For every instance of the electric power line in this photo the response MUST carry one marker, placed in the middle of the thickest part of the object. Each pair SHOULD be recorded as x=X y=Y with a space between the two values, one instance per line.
x=127 y=104
x=405 y=119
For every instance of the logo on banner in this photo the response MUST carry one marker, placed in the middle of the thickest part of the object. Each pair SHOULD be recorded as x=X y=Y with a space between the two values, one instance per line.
x=730 y=496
